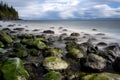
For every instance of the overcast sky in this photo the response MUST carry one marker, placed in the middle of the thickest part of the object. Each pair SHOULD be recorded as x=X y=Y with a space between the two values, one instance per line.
x=66 y=9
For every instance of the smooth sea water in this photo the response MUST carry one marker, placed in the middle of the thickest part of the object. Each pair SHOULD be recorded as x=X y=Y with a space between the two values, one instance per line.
x=111 y=27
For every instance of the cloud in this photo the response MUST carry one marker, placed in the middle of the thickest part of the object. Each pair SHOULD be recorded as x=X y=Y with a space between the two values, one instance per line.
x=65 y=9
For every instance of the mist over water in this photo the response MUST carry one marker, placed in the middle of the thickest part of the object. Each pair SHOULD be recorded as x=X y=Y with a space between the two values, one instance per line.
x=111 y=27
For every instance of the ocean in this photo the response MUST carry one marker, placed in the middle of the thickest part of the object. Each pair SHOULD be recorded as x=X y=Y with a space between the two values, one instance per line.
x=109 y=27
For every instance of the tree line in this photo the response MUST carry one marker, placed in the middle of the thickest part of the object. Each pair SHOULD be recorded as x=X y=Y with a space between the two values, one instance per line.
x=7 y=12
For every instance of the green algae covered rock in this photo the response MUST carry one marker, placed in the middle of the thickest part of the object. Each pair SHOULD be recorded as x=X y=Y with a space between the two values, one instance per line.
x=54 y=63
x=5 y=37
x=13 y=69
x=34 y=52
x=57 y=52
x=52 y=75
x=1 y=44
x=20 y=53
x=102 y=76
x=75 y=53
x=36 y=43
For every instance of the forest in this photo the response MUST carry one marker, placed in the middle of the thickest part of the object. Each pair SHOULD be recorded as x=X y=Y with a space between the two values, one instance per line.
x=8 y=12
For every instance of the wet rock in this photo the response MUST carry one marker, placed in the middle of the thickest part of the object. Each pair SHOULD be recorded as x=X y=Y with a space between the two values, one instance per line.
x=13 y=32
x=52 y=75
x=112 y=51
x=75 y=53
x=7 y=30
x=36 y=43
x=88 y=47
x=49 y=32
x=57 y=52
x=70 y=45
x=2 y=52
x=116 y=65
x=102 y=34
x=18 y=45
x=93 y=62
x=0 y=25
x=101 y=76
x=60 y=27
x=11 y=25
x=63 y=36
x=13 y=69
x=34 y=52
x=5 y=38
x=21 y=53
x=27 y=36
x=19 y=29
x=109 y=55
x=65 y=30
x=52 y=39
x=36 y=30
x=94 y=29
x=75 y=34
x=102 y=44
x=1 y=44
x=71 y=39
x=52 y=27
x=54 y=63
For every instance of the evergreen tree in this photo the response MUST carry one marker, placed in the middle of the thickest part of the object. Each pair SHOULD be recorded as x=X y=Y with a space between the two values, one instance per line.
x=7 y=12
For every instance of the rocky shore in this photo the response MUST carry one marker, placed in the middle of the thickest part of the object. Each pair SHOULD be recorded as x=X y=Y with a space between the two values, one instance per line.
x=47 y=56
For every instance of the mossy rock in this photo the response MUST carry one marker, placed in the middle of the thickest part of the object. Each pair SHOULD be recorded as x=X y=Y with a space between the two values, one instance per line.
x=5 y=38
x=75 y=53
x=57 y=52
x=101 y=76
x=34 y=52
x=24 y=41
x=13 y=69
x=1 y=44
x=52 y=75
x=36 y=43
x=70 y=45
x=54 y=63
x=27 y=36
x=20 y=53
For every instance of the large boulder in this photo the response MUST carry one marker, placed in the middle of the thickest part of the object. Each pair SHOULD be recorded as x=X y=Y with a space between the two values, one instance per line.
x=5 y=37
x=93 y=62
x=54 y=63
x=13 y=69
x=52 y=75
x=102 y=76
